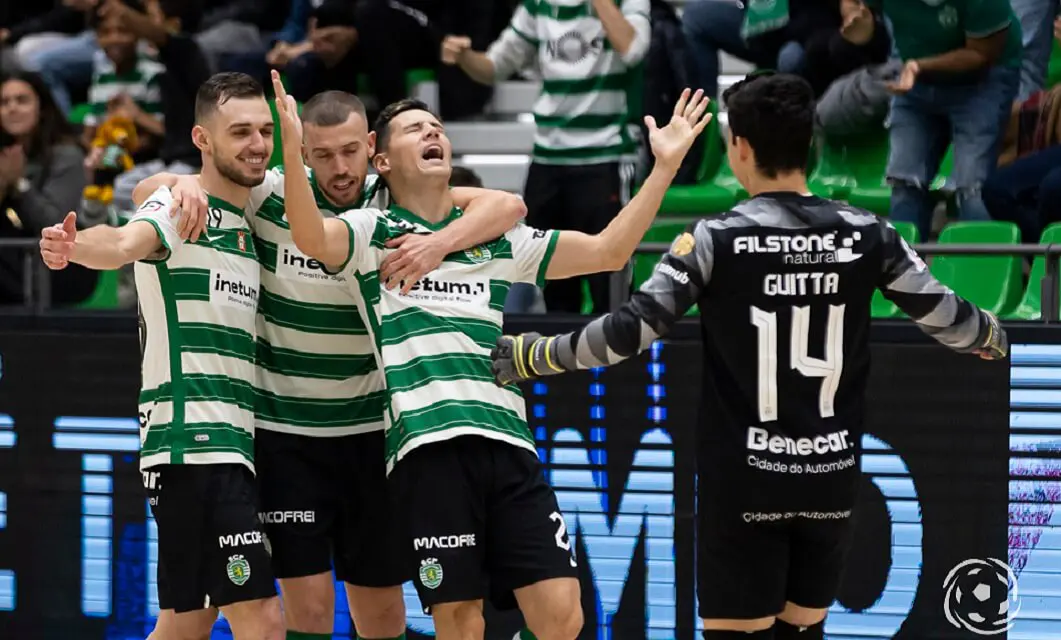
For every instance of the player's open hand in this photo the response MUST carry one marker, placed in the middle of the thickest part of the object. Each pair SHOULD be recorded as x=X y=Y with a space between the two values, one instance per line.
x=672 y=142
x=287 y=113
x=414 y=256
x=995 y=344
x=190 y=201
x=57 y=242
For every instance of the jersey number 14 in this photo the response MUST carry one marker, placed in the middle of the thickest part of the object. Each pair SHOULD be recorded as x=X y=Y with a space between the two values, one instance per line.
x=828 y=368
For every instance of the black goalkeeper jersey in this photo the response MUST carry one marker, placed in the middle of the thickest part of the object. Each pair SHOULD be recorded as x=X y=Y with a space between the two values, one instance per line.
x=784 y=284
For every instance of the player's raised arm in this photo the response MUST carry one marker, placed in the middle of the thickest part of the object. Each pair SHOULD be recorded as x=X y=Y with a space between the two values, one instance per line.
x=579 y=254
x=326 y=239
x=151 y=234
x=488 y=214
x=953 y=321
x=675 y=286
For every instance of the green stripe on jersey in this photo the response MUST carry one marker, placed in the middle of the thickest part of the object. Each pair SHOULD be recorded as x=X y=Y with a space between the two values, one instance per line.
x=435 y=341
x=197 y=306
x=317 y=374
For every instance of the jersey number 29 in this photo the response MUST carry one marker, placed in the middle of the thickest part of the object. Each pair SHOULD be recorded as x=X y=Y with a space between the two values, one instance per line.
x=828 y=368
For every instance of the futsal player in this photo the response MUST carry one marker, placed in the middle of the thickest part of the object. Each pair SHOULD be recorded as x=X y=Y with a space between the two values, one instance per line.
x=319 y=414
x=783 y=282
x=198 y=302
x=467 y=484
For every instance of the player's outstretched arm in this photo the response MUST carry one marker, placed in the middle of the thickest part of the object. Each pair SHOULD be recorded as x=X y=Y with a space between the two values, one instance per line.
x=675 y=286
x=578 y=254
x=151 y=234
x=488 y=214
x=941 y=313
x=326 y=239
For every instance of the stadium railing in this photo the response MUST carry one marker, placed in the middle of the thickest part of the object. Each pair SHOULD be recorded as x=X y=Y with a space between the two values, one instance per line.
x=36 y=281
x=1050 y=252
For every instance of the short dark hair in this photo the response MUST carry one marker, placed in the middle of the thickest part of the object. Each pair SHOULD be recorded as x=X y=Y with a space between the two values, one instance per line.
x=222 y=87
x=392 y=111
x=95 y=17
x=331 y=108
x=465 y=177
x=775 y=114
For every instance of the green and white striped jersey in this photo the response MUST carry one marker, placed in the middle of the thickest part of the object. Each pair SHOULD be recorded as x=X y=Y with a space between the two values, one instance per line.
x=434 y=343
x=316 y=372
x=198 y=304
x=590 y=103
x=141 y=84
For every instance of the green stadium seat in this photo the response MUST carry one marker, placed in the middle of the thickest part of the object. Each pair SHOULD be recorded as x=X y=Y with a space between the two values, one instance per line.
x=829 y=178
x=881 y=307
x=991 y=282
x=105 y=296
x=1030 y=307
x=1053 y=72
x=867 y=161
x=78 y=113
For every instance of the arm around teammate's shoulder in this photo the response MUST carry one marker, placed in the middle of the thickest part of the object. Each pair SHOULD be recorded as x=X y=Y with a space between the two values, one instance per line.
x=675 y=286
x=939 y=312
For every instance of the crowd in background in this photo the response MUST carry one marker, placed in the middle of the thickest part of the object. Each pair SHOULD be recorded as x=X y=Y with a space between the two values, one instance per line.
x=964 y=73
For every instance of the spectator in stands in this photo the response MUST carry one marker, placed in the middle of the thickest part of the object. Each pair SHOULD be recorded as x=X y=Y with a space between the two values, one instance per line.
x=586 y=143
x=804 y=37
x=465 y=177
x=125 y=81
x=1026 y=189
x=185 y=68
x=41 y=179
x=232 y=30
x=14 y=18
x=1035 y=18
x=290 y=43
x=330 y=64
x=59 y=47
x=961 y=68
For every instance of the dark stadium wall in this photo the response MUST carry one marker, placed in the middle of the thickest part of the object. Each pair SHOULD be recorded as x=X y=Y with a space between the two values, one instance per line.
x=961 y=466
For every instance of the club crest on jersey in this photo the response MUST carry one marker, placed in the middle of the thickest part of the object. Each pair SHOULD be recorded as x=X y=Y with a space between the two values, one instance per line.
x=430 y=573
x=683 y=244
x=479 y=254
x=238 y=570
x=241 y=241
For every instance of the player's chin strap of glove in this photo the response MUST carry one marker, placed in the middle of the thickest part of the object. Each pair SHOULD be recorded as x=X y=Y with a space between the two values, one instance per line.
x=525 y=357
x=992 y=343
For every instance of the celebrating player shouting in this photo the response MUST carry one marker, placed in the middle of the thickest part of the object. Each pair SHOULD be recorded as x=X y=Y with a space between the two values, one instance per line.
x=462 y=461
x=319 y=413
x=784 y=283
x=197 y=331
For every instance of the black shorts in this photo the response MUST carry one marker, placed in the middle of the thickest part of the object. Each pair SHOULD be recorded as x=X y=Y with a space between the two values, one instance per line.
x=480 y=521
x=211 y=551
x=749 y=564
x=324 y=503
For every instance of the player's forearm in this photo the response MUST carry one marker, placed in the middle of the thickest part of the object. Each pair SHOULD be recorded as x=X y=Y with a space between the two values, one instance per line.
x=478 y=66
x=103 y=248
x=617 y=27
x=309 y=230
x=620 y=238
x=606 y=341
x=487 y=216
x=956 y=61
x=147 y=186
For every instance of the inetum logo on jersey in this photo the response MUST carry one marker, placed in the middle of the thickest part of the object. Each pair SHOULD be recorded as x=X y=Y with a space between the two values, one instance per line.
x=811 y=248
x=229 y=289
x=456 y=291
x=445 y=542
x=292 y=264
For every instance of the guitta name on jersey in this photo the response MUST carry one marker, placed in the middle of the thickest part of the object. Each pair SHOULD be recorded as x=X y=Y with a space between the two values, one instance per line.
x=809 y=248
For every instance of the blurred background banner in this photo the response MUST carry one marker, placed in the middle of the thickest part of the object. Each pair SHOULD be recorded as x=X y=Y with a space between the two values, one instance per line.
x=961 y=465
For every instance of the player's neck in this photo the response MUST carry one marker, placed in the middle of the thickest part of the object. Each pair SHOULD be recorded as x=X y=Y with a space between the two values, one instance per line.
x=221 y=187
x=429 y=199
x=795 y=182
